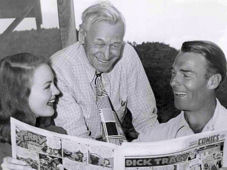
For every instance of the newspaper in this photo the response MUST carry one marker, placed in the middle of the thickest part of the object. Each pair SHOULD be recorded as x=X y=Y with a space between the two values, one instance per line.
x=44 y=150
x=204 y=151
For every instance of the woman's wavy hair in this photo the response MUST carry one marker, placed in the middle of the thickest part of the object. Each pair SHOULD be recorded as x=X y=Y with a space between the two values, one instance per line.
x=16 y=72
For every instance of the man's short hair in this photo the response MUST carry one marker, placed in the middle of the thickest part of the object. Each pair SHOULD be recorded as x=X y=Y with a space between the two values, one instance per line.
x=214 y=55
x=103 y=11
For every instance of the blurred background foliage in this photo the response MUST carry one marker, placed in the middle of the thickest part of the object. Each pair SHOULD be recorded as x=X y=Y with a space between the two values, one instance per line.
x=156 y=57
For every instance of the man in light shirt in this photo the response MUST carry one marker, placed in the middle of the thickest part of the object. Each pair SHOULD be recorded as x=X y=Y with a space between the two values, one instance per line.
x=197 y=72
x=101 y=49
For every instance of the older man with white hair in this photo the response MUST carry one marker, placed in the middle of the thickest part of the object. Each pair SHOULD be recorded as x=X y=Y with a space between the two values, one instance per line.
x=101 y=49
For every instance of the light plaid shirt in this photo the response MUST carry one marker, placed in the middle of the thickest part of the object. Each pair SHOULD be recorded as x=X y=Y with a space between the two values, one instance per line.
x=126 y=85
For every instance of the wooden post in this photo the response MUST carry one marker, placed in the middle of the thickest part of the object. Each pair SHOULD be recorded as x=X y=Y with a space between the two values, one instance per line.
x=67 y=22
x=38 y=14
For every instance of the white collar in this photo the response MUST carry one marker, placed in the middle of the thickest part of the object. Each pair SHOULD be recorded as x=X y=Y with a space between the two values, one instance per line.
x=210 y=126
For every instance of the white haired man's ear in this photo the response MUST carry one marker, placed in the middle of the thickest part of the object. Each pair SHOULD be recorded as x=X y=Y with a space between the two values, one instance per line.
x=81 y=35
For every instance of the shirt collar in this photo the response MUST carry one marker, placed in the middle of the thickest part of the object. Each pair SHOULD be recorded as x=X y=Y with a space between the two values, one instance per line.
x=210 y=124
x=183 y=121
x=88 y=67
x=183 y=128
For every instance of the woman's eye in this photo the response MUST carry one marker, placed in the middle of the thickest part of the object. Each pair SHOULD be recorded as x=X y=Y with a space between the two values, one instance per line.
x=187 y=75
x=47 y=87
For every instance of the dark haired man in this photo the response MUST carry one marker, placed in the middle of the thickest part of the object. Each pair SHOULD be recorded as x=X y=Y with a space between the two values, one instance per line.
x=197 y=72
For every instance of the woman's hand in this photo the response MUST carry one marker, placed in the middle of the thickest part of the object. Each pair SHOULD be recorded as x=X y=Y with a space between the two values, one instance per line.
x=10 y=163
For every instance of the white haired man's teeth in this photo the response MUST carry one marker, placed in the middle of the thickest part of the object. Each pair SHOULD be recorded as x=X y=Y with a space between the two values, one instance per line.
x=102 y=61
x=179 y=94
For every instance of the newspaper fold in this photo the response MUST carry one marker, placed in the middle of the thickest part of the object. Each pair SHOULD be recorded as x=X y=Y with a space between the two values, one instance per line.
x=44 y=150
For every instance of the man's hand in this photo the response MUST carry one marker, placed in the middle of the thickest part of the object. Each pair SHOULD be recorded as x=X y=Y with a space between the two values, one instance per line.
x=10 y=163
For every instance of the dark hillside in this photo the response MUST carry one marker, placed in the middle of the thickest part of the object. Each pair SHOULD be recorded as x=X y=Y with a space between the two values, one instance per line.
x=157 y=59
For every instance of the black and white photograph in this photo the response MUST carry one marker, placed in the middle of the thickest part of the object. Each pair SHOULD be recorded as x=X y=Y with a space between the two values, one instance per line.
x=156 y=69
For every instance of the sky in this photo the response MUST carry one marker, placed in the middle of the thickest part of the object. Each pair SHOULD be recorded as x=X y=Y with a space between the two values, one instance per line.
x=167 y=21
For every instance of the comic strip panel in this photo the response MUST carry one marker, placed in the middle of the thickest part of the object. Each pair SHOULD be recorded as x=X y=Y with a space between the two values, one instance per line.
x=38 y=143
x=99 y=156
x=74 y=155
x=31 y=158
x=50 y=163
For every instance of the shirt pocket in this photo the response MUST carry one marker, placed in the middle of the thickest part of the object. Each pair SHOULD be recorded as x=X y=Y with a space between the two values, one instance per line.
x=121 y=109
